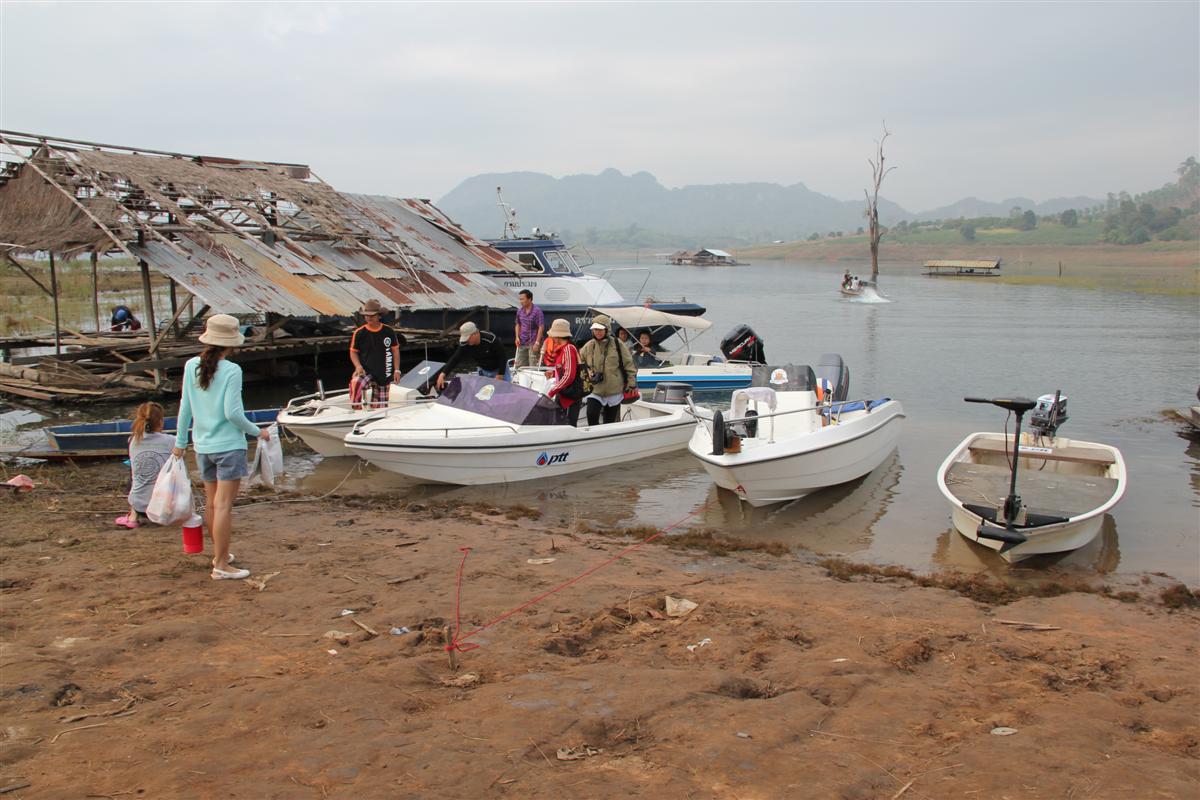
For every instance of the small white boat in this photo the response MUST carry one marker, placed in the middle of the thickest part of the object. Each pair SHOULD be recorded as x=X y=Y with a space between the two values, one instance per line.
x=781 y=441
x=1050 y=496
x=483 y=431
x=322 y=420
x=701 y=371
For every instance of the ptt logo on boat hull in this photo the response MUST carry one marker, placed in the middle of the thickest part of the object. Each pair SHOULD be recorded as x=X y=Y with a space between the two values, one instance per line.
x=545 y=459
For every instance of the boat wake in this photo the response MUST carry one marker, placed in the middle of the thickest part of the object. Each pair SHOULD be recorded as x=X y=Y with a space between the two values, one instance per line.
x=870 y=295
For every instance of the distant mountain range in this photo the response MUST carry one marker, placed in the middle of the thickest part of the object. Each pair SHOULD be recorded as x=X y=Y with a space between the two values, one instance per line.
x=718 y=213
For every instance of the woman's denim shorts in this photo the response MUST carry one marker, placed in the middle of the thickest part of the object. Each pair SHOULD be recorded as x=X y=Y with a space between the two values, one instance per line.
x=228 y=466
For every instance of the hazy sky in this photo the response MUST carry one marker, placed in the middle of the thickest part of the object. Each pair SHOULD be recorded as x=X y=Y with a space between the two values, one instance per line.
x=985 y=99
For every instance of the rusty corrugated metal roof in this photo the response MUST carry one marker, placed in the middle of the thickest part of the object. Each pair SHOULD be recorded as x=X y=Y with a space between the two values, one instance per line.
x=249 y=237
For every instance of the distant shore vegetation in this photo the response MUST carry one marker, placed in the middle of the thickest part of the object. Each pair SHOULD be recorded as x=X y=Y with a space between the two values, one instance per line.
x=1168 y=214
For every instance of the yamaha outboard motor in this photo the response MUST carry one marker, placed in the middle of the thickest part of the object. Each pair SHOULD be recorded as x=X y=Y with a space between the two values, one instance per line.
x=743 y=344
x=1049 y=413
x=830 y=367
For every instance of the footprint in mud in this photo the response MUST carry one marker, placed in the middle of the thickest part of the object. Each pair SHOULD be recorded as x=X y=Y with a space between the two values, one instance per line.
x=68 y=695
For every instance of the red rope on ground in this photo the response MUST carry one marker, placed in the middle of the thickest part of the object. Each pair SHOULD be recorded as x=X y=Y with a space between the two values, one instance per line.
x=456 y=643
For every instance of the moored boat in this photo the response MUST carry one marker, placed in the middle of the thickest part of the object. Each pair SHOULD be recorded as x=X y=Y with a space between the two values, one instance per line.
x=1032 y=493
x=322 y=420
x=114 y=436
x=483 y=431
x=792 y=433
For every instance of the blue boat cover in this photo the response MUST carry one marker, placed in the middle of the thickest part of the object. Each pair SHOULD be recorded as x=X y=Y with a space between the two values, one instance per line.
x=501 y=400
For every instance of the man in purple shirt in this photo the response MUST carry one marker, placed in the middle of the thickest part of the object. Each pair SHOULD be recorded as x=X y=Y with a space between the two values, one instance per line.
x=530 y=327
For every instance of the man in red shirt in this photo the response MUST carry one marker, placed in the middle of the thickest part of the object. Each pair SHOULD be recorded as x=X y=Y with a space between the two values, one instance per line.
x=375 y=353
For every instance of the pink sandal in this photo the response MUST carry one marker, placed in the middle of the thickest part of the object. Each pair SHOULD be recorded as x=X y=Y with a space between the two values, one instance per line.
x=125 y=522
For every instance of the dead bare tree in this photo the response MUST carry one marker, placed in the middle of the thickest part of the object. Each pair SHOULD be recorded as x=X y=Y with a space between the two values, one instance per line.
x=878 y=173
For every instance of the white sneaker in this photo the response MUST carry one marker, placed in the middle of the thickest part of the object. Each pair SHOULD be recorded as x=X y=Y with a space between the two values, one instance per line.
x=229 y=574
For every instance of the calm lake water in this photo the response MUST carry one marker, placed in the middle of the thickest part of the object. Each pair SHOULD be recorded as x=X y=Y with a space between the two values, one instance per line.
x=1123 y=359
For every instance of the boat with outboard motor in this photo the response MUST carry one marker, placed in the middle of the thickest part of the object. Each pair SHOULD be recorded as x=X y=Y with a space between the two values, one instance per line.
x=1066 y=488
x=322 y=420
x=703 y=371
x=481 y=431
x=793 y=432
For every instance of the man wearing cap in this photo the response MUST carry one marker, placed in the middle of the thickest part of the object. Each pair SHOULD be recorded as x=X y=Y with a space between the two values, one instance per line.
x=531 y=324
x=375 y=353
x=482 y=347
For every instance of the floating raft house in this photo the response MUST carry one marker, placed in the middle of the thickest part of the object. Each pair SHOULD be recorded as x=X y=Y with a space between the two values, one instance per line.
x=269 y=242
x=972 y=269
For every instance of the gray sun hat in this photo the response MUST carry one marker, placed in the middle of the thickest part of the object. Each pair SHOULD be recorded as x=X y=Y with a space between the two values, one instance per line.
x=467 y=330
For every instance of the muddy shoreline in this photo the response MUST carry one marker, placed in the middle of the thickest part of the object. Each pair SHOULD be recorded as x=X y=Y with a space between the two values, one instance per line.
x=125 y=671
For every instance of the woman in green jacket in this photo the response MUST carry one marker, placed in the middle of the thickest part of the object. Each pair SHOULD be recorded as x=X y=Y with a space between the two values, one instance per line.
x=212 y=397
x=612 y=372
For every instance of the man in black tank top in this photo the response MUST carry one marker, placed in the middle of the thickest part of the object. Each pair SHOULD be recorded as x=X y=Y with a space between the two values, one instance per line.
x=375 y=353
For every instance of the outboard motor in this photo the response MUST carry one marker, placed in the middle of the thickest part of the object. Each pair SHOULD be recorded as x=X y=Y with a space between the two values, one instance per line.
x=1049 y=413
x=830 y=367
x=671 y=393
x=743 y=344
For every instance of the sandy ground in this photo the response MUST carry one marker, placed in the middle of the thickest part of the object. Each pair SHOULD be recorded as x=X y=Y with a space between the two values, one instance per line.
x=125 y=672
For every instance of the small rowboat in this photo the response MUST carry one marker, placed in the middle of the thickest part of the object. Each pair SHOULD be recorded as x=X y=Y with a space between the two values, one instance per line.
x=86 y=437
x=1049 y=496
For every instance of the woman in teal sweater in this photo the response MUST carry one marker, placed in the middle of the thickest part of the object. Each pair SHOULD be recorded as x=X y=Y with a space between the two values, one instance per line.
x=212 y=402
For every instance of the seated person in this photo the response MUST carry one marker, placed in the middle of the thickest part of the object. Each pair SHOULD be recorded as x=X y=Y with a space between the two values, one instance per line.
x=645 y=354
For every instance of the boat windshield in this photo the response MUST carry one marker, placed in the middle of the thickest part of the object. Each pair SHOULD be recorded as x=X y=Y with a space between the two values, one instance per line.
x=502 y=401
x=561 y=262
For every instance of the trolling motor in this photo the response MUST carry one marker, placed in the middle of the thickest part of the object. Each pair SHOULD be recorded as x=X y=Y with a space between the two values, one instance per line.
x=1009 y=535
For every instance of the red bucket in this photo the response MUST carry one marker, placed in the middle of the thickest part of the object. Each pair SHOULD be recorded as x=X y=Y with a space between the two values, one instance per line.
x=193 y=535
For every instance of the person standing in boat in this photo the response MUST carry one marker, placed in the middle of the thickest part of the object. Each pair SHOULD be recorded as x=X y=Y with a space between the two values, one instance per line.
x=611 y=369
x=212 y=398
x=375 y=353
x=564 y=388
x=531 y=325
x=482 y=347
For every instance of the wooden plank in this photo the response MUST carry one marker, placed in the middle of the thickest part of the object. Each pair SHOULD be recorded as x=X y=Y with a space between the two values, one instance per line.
x=1076 y=455
x=32 y=395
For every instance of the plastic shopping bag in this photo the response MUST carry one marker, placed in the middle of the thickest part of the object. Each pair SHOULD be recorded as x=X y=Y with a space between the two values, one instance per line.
x=171 y=500
x=267 y=466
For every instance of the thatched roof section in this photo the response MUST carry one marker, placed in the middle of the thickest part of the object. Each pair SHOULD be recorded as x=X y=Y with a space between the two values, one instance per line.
x=36 y=216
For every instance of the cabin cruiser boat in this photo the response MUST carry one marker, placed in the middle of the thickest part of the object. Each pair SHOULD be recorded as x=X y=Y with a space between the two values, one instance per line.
x=322 y=420
x=550 y=270
x=793 y=432
x=481 y=430
x=1066 y=486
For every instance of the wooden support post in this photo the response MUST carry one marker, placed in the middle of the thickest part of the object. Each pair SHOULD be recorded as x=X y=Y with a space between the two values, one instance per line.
x=179 y=331
x=148 y=299
x=54 y=294
x=174 y=309
x=95 y=291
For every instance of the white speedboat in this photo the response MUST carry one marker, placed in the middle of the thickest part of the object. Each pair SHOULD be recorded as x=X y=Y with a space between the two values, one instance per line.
x=1050 y=496
x=741 y=349
x=792 y=433
x=484 y=431
x=322 y=420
